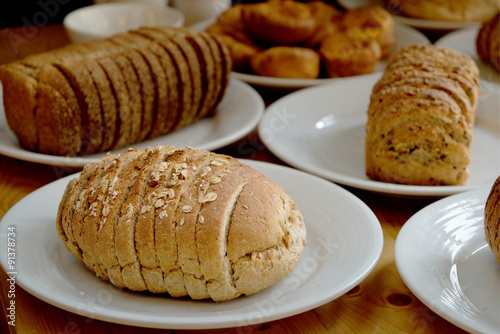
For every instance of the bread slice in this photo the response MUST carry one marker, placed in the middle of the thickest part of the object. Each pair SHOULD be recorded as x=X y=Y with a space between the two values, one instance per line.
x=88 y=100
x=115 y=186
x=122 y=100
x=108 y=105
x=20 y=86
x=133 y=87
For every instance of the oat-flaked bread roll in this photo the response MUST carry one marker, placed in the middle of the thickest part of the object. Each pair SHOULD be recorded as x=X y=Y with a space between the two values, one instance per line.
x=447 y=10
x=492 y=219
x=110 y=93
x=421 y=118
x=488 y=42
x=181 y=221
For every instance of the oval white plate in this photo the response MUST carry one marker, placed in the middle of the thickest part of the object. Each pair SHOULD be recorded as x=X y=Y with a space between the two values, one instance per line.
x=412 y=22
x=404 y=36
x=344 y=243
x=454 y=272
x=464 y=40
x=322 y=130
x=238 y=114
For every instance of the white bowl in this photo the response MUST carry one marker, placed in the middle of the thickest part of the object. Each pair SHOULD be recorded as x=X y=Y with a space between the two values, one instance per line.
x=107 y=19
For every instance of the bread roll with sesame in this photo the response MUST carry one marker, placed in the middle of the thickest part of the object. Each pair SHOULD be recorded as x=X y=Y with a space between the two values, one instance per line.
x=181 y=221
x=492 y=219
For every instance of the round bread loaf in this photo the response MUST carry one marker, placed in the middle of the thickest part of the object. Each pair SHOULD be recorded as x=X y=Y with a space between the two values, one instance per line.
x=181 y=221
x=492 y=219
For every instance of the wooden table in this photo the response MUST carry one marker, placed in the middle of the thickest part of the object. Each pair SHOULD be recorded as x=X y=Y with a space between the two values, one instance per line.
x=379 y=304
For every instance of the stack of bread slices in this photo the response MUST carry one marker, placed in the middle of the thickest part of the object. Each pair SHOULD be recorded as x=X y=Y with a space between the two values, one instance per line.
x=110 y=93
x=421 y=117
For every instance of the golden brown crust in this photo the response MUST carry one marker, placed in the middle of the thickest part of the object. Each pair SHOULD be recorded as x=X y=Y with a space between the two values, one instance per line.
x=375 y=22
x=278 y=22
x=492 y=219
x=181 y=221
x=349 y=53
x=287 y=62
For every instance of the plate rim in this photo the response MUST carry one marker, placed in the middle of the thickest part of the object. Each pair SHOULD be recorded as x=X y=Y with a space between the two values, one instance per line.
x=121 y=317
x=365 y=184
x=17 y=152
x=405 y=236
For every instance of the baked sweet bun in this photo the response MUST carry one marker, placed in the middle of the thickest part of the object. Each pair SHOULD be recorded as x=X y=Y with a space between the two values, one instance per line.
x=488 y=42
x=278 y=22
x=492 y=219
x=421 y=118
x=241 y=48
x=347 y=54
x=327 y=19
x=181 y=221
x=375 y=22
x=231 y=29
x=290 y=62
x=110 y=93
x=446 y=10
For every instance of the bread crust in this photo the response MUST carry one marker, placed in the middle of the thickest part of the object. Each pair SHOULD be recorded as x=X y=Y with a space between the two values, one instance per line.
x=181 y=221
x=487 y=42
x=492 y=219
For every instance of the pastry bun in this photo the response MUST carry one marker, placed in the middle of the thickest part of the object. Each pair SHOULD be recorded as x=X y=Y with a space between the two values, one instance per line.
x=181 y=221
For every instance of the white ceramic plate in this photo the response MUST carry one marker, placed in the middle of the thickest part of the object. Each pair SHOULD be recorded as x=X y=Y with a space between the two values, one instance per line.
x=322 y=130
x=404 y=36
x=454 y=272
x=344 y=243
x=464 y=40
x=409 y=21
x=238 y=114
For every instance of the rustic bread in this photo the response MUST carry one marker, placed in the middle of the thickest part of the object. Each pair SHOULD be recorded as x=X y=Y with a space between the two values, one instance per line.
x=447 y=10
x=181 y=221
x=492 y=219
x=110 y=93
x=488 y=42
x=421 y=118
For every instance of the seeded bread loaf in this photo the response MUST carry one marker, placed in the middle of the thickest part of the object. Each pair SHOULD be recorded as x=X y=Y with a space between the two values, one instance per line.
x=110 y=93
x=181 y=221
x=492 y=219
x=421 y=118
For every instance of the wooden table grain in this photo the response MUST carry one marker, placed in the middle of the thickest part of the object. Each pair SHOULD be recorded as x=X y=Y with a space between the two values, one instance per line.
x=381 y=303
